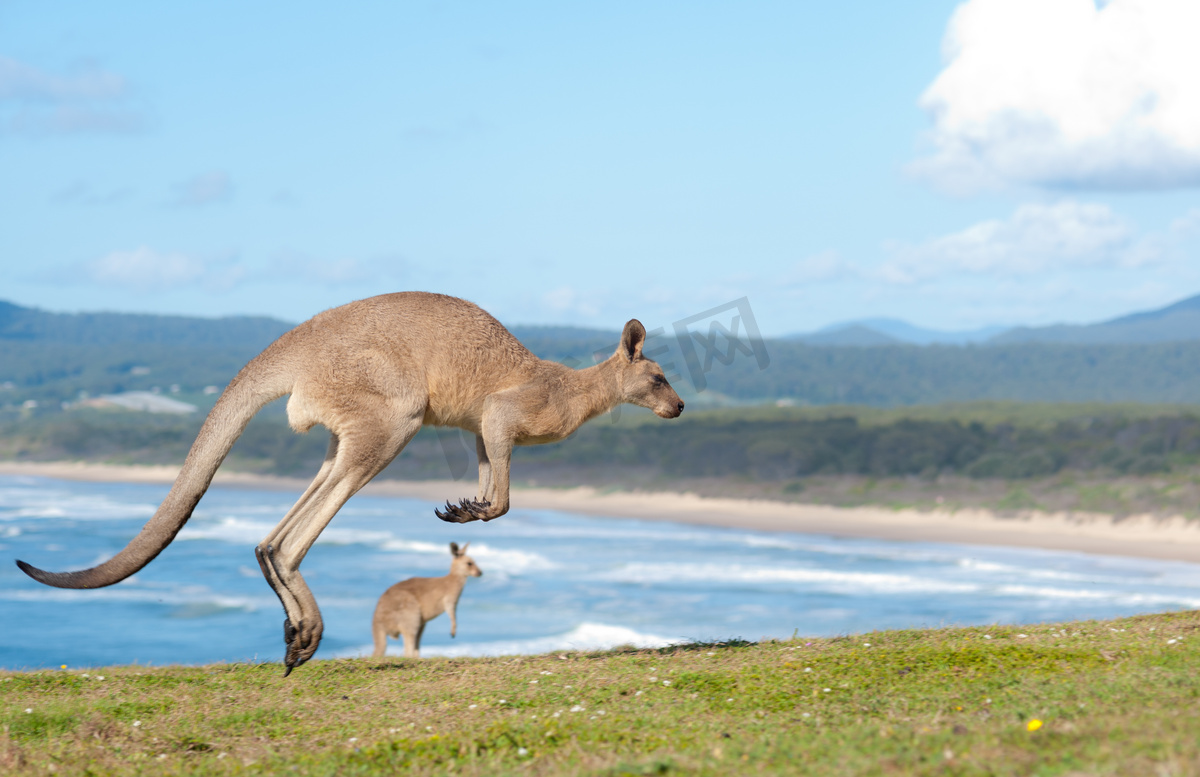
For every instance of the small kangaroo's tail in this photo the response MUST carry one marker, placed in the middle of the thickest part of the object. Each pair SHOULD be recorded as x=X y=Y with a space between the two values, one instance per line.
x=258 y=383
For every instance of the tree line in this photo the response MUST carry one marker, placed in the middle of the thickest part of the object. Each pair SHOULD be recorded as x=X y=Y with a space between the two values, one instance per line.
x=713 y=444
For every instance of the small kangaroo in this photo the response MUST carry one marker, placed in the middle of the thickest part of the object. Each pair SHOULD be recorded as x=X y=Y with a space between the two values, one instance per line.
x=406 y=607
x=373 y=372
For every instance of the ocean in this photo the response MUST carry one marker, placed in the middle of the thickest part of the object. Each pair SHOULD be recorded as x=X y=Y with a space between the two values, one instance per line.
x=552 y=581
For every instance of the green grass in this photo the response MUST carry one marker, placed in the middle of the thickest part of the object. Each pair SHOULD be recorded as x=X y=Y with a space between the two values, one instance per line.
x=1112 y=698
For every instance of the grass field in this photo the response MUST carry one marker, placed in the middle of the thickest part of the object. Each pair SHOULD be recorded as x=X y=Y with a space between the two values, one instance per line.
x=1088 y=698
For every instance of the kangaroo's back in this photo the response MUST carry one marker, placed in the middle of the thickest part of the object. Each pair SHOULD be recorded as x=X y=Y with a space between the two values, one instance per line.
x=445 y=347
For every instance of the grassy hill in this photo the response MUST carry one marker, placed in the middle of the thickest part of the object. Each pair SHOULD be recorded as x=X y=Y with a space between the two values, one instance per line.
x=1086 y=698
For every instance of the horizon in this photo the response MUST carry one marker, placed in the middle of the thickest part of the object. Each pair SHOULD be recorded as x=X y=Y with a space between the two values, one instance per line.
x=953 y=165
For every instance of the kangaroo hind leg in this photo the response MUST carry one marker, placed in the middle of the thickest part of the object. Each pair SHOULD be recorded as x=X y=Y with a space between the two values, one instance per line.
x=412 y=630
x=357 y=453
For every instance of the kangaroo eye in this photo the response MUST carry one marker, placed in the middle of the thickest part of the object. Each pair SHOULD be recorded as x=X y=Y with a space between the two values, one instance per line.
x=659 y=380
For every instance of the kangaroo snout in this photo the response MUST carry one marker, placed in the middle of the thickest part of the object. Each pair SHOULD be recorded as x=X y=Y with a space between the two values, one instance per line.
x=670 y=411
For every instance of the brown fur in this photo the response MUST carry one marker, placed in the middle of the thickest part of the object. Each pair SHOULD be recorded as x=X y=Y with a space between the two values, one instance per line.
x=406 y=607
x=373 y=372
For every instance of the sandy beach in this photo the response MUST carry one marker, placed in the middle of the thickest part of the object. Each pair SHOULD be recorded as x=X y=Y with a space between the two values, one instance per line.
x=1173 y=538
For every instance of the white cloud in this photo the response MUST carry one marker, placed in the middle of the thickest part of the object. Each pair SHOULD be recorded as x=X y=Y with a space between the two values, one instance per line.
x=146 y=270
x=203 y=189
x=1066 y=93
x=88 y=99
x=1037 y=238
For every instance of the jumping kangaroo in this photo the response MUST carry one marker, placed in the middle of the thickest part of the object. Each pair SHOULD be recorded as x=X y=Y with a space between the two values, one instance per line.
x=373 y=372
x=406 y=607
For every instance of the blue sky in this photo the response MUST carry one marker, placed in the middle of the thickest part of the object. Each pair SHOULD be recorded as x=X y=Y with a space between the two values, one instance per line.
x=952 y=164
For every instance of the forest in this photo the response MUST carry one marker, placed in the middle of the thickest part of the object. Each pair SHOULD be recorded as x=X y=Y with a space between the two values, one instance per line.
x=768 y=444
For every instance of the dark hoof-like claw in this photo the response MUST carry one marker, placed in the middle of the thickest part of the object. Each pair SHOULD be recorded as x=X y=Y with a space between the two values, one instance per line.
x=465 y=511
x=301 y=642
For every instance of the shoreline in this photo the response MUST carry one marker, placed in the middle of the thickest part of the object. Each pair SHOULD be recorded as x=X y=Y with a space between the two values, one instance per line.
x=1139 y=536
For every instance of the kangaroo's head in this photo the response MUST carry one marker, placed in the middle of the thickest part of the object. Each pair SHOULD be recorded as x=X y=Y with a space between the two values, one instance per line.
x=463 y=564
x=641 y=380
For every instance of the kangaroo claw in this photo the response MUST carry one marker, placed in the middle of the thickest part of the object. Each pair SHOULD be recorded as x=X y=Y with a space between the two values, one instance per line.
x=302 y=642
x=465 y=511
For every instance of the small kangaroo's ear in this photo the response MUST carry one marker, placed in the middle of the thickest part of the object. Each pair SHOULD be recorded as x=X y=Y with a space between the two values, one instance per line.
x=454 y=551
x=463 y=551
x=632 y=340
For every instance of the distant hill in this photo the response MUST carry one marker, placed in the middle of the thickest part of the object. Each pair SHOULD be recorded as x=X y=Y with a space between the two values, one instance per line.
x=30 y=325
x=847 y=335
x=891 y=331
x=1175 y=323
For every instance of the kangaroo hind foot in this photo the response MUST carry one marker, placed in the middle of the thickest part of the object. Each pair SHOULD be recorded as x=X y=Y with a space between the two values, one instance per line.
x=302 y=638
x=465 y=511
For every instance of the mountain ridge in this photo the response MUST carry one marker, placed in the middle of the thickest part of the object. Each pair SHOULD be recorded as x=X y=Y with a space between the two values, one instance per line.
x=1177 y=322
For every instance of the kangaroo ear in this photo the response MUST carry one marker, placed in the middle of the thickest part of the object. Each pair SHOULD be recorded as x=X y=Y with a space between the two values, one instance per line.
x=632 y=340
x=454 y=551
x=463 y=552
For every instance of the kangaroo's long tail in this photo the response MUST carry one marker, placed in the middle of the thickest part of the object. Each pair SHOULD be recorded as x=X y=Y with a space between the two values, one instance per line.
x=256 y=385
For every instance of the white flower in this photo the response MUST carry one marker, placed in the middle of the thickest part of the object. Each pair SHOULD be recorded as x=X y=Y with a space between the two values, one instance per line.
x=137 y=723
x=653 y=679
x=577 y=708
x=533 y=682
x=805 y=715
x=711 y=653
x=866 y=644
x=472 y=706
x=1172 y=641
x=29 y=710
x=808 y=668
x=827 y=690
x=639 y=693
x=503 y=701
x=1022 y=636
x=353 y=739
x=666 y=682
x=729 y=699
x=522 y=751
